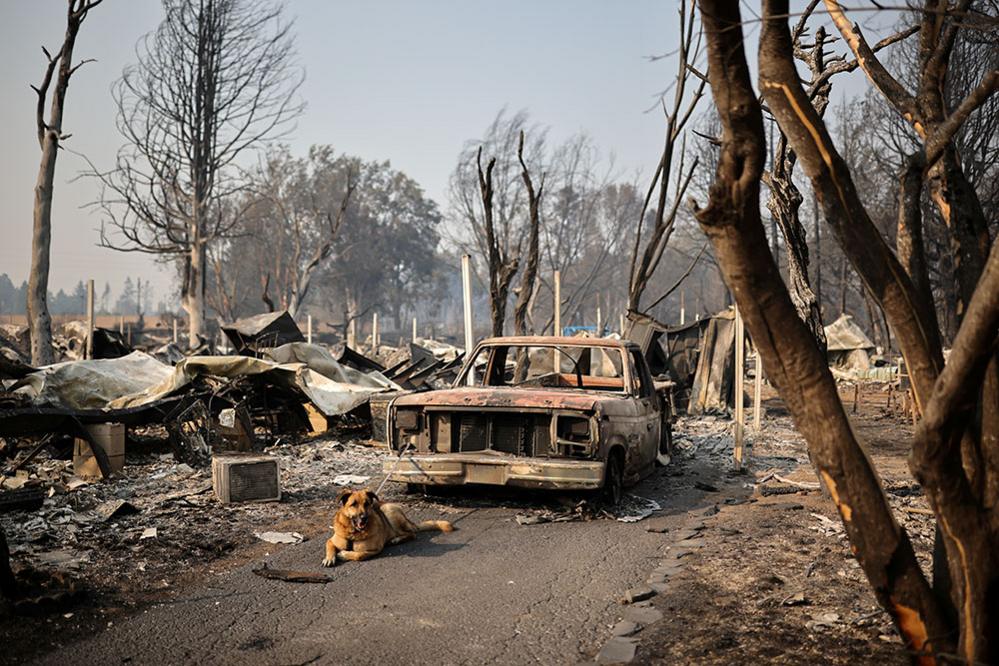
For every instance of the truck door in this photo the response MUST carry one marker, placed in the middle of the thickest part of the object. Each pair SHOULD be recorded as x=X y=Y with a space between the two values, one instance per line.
x=650 y=421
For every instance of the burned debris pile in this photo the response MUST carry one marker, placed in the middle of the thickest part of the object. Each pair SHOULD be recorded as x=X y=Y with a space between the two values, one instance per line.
x=155 y=445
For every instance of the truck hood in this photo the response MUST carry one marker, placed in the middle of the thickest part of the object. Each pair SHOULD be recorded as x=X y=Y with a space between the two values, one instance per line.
x=504 y=397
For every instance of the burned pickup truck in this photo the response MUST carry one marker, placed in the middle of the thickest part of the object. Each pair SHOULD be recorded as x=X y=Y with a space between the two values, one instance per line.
x=536 y=412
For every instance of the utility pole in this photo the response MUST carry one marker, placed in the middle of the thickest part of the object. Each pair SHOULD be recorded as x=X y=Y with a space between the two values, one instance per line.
x=558 y=303
x=557 y=313
x=90 y=320
x=757 y=391
x=466 y=292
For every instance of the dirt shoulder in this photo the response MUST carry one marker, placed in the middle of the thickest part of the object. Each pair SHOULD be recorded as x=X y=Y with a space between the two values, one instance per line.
x=773 y=578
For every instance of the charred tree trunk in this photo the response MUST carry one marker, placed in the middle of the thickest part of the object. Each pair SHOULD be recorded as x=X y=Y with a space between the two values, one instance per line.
x=501 y=266
x=529 y=278
x=193 y=293
x=965 y=513
x=909 y=234
x=325 y=247
x=946 y=400
x=961 y=211
x=49 y=136
x=39 y=320
x=784 y=203
x=265 y=293
x=732 y=222
x=936 y=121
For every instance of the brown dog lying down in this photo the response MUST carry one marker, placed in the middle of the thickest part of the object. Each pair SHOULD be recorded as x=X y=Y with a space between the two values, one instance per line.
x=363 y=526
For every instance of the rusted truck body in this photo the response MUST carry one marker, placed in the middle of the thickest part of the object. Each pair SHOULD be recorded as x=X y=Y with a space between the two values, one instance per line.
x=536 y=412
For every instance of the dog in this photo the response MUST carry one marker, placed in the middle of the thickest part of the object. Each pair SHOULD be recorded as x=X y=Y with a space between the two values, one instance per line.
x=363 y=526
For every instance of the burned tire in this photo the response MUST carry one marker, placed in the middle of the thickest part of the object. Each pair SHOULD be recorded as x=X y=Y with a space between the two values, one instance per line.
x=613 y=489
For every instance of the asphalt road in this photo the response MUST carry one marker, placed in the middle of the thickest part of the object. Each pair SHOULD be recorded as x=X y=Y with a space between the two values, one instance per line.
x=492 y=591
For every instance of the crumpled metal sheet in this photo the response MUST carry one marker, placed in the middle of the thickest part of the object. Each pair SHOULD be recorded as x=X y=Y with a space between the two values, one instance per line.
x=92 y=384
x=322 y=361
x=139 y=379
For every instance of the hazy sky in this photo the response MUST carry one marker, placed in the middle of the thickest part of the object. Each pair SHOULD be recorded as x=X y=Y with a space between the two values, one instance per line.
x=405 y=81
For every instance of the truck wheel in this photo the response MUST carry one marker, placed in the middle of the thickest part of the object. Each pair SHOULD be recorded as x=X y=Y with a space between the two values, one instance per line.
x=665 y=453
x=614 y=479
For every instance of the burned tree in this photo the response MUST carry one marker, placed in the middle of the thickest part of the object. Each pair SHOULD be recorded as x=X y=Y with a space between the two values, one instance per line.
x=785 y=199
x=215 y=80
x=510 y=216
x=957 y=484
x=528 y=280
x=642 y=268
x=928 y=112
x=50 y=134
x=503 y=262
x=308 y=200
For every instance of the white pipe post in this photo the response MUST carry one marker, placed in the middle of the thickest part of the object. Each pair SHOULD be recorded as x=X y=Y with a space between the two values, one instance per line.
x=466 y=291
x=558 y=303
x=414 y=330
x=175 y=330
x=352 y=334
x=90 y=319
x=374 y=332
x=757 y=392
x=600 y=323
x=621 y=324
x=740 y=342
x=557 y=356
x=308 y=329
x=683 y=310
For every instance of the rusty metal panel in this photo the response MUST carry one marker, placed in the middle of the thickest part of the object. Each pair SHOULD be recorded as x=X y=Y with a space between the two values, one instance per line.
x=508 y=433
x=440 y=432
x=472 y=433
x=542 y=437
